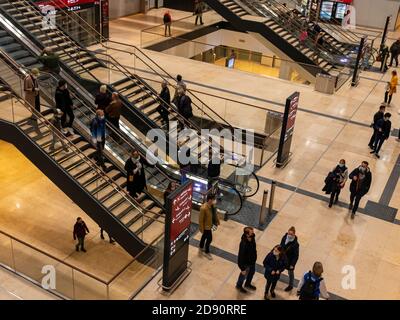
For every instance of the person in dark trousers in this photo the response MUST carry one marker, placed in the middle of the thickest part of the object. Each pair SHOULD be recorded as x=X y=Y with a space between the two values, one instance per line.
x=312 y=285
x=80 y=231
x=198 y=11
x=394 y=53
x=391 y=88
x=167 y=19
x=361 y=179
x=290 y=247
x=336 y=181
x=136 y=178
x=383 y=129
x=213 y=170
x=103 y=98
x=247 y=258
x=162 y=109
x=274 y=263
x=56 y=122
x=208 y=219
x=113 y=111
x=184 y=104
x=111 y=240
x=98 y=132
x=171 y=188
x=378 y=115
x=50 y=61
x=65 y=104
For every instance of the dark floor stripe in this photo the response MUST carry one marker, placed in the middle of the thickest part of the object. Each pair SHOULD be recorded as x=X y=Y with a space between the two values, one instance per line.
x=391 y=184
x=259 y=268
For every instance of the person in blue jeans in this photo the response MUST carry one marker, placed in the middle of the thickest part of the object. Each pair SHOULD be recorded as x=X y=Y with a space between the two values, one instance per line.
x=98 y=132
x=247 y=258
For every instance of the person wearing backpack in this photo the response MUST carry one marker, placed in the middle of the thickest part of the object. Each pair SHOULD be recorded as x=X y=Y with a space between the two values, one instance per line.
x=394 y=52
x=290 y=247
x=274 y=263
x=312 y=285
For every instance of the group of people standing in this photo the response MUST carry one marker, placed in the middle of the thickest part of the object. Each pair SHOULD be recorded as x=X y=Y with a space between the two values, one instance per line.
x=283 y=256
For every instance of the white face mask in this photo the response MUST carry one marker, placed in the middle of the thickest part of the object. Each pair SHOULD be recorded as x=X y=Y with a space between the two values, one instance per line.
x=101 y=118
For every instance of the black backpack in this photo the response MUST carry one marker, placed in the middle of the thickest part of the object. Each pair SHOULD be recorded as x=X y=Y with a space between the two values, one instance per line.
x=309 y=289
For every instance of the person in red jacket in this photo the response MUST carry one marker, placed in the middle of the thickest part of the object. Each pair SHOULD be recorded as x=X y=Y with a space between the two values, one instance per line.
x=80 y=231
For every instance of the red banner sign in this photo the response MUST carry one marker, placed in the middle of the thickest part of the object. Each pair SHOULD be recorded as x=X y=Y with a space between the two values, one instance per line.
x=57 y=4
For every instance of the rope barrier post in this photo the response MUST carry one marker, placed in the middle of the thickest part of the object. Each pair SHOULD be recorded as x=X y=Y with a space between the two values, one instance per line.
x=271 y=198
x=263 y=209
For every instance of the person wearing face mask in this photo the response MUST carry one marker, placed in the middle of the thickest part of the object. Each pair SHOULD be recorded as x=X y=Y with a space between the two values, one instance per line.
x=290 y=247
x=135 y=174
x=171 y=188
x=247 y=258
x=98 y=132
x=207 y=221
x=383 y=128
x=377 y=116
x=274 y=263
x=339 y=176
x=64 y=103
x=361 y=179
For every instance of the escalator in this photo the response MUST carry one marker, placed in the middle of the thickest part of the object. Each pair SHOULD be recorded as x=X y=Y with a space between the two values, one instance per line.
x=278 y=30
x=159 y=176
x=133 y=223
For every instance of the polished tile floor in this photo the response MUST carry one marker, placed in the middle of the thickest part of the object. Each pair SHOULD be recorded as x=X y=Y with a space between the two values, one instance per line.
x=328 y=128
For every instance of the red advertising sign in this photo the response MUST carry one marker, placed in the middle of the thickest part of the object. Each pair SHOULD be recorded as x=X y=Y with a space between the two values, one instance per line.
x=57 y=4
x=181 y=210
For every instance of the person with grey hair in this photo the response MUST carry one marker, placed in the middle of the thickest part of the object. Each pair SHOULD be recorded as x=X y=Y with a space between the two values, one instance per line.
x=165 y=101
x=103 y=98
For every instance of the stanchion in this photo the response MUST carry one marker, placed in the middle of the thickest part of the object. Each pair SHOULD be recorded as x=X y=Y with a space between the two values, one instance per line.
x=263 y=208
x=271 y=197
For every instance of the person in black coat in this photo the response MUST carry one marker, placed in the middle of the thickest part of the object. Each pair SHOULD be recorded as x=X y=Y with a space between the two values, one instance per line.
x=394 y=53
x=162 y=109
x=290 y=247
x=184 y=104
x=80 y=231
x=377 y=116
x=361 y=179
x=383 y=128
x=136 y=178
x=274 y=263
x=103 y=98
x=65 y=104
x=247 y=258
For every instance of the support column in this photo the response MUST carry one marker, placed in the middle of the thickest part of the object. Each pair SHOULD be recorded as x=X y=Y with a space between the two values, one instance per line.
x=285 y=70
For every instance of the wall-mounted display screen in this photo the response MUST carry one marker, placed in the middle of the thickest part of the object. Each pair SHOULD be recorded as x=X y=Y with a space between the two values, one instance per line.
x=326 y=10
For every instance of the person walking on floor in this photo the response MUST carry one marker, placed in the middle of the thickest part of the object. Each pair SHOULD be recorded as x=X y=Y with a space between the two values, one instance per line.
x=394 y=53
x=336 y=181
x=111 y=240
x=290 y=246
x=65 y=104
x=274 y=263
x=113 y=112
x=391 y=88
x=136 y=178
x=98 y=132
x=80 y=232
x=247 y=258
x=103 y=98
x=208 y=220
x=165 y=101
x=378 y=115
x=312 y=285
x=383 y=129
x=198 y=11
x=167 y=19
x=361 y=179
x=31 y=90
x=56 y=122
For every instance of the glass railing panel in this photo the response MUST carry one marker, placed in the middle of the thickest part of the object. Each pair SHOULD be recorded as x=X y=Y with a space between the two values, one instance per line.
x=6 y=252
x=88 y=288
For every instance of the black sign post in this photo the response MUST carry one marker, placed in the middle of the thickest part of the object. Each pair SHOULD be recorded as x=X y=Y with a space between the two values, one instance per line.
x=356 y=72
x=289 y=119
x=177 y=233
x=385 y=30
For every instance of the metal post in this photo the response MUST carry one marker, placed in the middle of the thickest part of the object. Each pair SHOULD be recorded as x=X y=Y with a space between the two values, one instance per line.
x=263 y=208
x=385 y=30
x=354 y=81
x=271 y=197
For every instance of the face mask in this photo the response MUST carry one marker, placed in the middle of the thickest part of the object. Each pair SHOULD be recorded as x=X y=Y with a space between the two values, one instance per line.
x=214 y=202
x=101 y=118
x=290 y=238
x=276 y=253
x=341 y=165
x=362 y=169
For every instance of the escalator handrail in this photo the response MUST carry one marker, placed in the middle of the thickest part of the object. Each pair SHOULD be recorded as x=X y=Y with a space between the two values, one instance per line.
x=102 y=38
x=76 y=151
